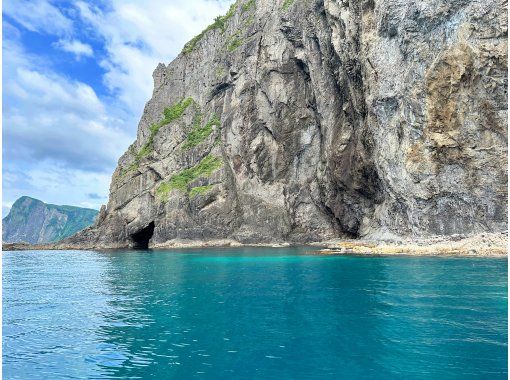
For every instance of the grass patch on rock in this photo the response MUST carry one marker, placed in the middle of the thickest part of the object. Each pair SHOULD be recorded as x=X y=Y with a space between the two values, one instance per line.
x=181 y=180
x=220 y=22
x=234 y=43
x=220 y=73
x=200 y=190
x=199 y=133
x=171 y=113
x=287 y=4
x=247 y=6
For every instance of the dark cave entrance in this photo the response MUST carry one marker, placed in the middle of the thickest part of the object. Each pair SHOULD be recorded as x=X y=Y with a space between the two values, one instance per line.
x=141 y=238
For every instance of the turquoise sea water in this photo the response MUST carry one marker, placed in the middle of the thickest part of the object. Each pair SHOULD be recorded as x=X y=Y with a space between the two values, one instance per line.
x=252 y=314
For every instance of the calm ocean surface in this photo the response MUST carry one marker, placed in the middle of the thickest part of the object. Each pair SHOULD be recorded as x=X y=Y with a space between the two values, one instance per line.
x=252 y=313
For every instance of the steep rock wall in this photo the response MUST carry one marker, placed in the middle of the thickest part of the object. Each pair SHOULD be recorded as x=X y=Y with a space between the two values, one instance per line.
x=315 y=119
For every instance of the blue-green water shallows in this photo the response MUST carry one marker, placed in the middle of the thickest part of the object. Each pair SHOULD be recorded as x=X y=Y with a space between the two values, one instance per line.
x=252 y=314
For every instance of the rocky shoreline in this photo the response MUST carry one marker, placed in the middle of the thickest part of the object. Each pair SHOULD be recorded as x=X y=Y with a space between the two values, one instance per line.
x=479 y=245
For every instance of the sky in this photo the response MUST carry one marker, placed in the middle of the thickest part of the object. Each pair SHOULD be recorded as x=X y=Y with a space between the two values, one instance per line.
x=76 y=76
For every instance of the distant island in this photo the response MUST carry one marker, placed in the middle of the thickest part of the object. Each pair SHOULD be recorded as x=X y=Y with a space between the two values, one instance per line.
x=33 y=221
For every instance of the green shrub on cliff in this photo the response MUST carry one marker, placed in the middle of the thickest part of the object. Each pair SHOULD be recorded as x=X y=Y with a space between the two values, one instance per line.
x=220 y=22
x=286 y=4
x=200 y=133
x=247 y=6
x=175 y=112
x=234 y=43
x=181 y=180
x=200 y=190
x=171 y=113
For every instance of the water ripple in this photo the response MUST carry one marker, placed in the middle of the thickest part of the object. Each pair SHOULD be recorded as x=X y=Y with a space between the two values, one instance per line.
x=245 y=313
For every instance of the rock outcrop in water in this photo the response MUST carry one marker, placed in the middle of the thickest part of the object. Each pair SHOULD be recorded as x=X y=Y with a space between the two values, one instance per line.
x=309 y=120
x=35 y=222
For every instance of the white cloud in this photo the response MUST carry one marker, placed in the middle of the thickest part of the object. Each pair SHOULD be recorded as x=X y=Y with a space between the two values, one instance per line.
x=138 y=35
x=51 y=92
x=6 y=207
x=53 y=184
x=50 y=117
x=79 y=49
x=38 y=16
x=77 y=183
x=62 y=141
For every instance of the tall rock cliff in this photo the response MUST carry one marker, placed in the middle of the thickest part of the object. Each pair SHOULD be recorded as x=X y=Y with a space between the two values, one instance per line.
x=305 y=120
x=35 y=222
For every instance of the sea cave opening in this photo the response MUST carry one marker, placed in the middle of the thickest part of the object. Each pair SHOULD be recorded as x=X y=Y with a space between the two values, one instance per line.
x=142 y=237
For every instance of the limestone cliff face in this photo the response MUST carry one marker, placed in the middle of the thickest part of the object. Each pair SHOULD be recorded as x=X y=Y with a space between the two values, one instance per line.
x=313 y=119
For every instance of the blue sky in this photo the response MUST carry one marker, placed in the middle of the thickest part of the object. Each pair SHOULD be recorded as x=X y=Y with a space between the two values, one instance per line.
x=76 y=76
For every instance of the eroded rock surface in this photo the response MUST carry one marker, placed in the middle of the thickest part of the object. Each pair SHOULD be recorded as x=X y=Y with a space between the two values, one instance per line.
x=310 y=120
